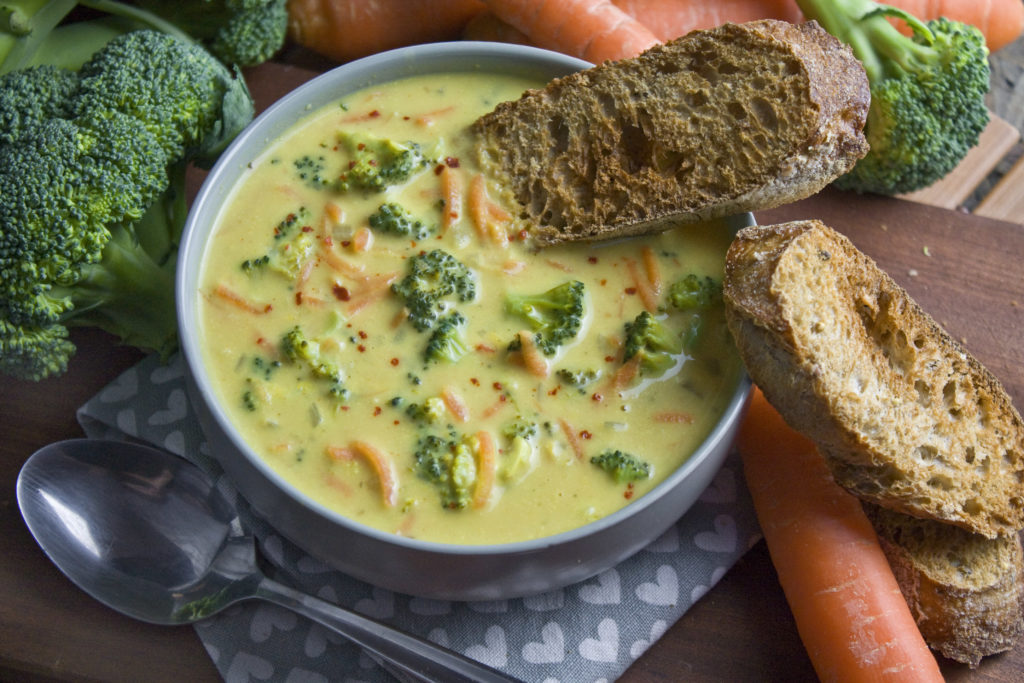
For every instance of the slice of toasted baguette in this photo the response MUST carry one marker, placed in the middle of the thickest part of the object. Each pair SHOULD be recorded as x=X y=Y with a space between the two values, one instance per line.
x=737 y=118
x=905 y=417
x=966 y=592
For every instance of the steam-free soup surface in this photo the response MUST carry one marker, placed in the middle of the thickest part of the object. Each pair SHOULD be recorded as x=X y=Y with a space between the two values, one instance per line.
x=494 y=446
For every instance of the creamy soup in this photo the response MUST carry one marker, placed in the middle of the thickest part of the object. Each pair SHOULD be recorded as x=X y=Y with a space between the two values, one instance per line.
x=543 y=389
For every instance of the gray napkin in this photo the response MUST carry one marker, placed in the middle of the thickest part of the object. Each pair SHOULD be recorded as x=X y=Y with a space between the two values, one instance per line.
x=590 y=631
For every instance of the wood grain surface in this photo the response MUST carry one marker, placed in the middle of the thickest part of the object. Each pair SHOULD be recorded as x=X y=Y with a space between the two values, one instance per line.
x=963 y=269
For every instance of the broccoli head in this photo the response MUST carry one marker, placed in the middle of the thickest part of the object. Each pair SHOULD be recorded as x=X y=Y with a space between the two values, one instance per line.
x=378 y=163
x=656 y=346
x=293 y=246
x=692 y=292
x=555 y=315
x=433 y=279
x=296 y=347
x=190 y=102
x=927 y=92
x=622 y=466
x=448 y=340
x=32 y=95
x=448 y=464
x=394 y=219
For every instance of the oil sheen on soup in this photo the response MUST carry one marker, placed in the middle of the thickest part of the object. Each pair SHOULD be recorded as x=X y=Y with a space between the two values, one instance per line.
x=383 y=334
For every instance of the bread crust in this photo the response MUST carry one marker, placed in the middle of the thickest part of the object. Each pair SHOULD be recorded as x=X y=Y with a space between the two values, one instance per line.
x=905 y=417
x=737 y=118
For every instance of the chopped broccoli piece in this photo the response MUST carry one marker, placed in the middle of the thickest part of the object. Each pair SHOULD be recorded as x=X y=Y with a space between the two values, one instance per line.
x=622 y=466
x=378 y=163
x=555 y=315
x=433 y=278
x=654 y=343
x=430 y=412
x=293 y=245
x=448 y=340
x=518 y=460
x=520 y=427
x=310 y=170
x=577 y=378
x=694 y=292
x=927 y=92
x=394 y=219
x=449 y=464
x=242 y=32
x=297 y=348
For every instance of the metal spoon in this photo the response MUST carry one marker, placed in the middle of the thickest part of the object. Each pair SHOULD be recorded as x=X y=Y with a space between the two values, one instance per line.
x=147 y=534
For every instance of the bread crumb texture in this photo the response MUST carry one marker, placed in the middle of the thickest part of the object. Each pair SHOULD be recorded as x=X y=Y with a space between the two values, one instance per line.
x=904 y=415
x=718 y=122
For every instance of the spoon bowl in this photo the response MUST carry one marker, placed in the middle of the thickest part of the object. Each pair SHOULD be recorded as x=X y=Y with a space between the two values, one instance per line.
x=148 y=534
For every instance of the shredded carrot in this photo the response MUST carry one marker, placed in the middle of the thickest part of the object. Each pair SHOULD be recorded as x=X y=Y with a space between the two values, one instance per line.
x=232 y=297
x=480 y=211
x=455 y=404
x=511 y=267
x=643 y=286
x=533 y=359
x=559 y=265
x=380 y=462
x=848 y=608
x=335 y=212
x=342 y=265
x=426 y=119
x=625 y=375
x=486 y=468
x=652 y=269
x=573 y=438
x=674 y=417
x=494 y=408
x=362 y=240
x=451 y=193
x=373 y=288
x=304 y=273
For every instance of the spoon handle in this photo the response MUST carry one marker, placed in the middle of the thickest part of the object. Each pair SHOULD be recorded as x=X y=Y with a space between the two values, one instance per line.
x=409 y=653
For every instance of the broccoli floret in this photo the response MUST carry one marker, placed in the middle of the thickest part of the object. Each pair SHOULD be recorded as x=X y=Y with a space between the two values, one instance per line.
x=293 y=245
x=449 y=464
x=394 y=219
x=310 y=170
x=92 y=200
x=434 y=278
x=520 y=427
x=655 y=344
x=693 y=292
x=622 y=466
x=191 y=103
x=577 y=378
x=428 y=413
x=927 y=92
x=555 y=315
x=448 y=340
x=378 y=163
x=297 y=348
x=242 y=32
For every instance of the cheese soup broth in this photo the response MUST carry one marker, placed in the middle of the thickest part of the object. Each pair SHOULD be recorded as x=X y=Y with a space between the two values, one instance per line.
x=291 y=250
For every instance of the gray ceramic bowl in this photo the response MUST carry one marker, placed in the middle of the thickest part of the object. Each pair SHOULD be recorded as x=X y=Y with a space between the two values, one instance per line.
x=427 y=569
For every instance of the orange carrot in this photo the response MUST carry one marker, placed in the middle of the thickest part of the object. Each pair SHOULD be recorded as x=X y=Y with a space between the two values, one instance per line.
x=451 y=193
x=485 y=214
x=229 y=295
x=573 y=438
x=379 y=461
x=487 y=26
x=455 y=404
x=848 y=608
x=362 y=240
x=1000 y=21
x=625 y=375
x=670 y=19
x=594 y=30
x=344 y=30
x=643 y=286
x=486 y=468
x=652 y=269
x=533 y=359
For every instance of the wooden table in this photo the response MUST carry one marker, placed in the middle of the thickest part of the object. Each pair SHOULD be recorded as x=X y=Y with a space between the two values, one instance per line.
x=964 y=269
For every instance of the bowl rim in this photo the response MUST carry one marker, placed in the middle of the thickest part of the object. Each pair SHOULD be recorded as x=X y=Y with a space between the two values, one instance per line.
x=260 y=135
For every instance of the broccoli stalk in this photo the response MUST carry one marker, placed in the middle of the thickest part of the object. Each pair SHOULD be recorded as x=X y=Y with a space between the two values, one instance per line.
x=927 y=92
x=555 y=315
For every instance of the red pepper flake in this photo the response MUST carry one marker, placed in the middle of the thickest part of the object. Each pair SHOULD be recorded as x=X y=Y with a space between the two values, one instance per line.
x=406 y=117
x=397 y=422
x=522 y=235
x=453 y=162
x=591 y=259
x=554 y=392
x=361 y=348
x=609 y=359
x=631 y=290
x=604 y=281
x=474 y=381
x=341 y=292
x=298 y=298
x=377 y=411
x=374 y=114
x=628 y=493
x=584 y=434
x=439 y=169
x=597 y=398
x=362 y=334
x=394 y=362
x=497 y=386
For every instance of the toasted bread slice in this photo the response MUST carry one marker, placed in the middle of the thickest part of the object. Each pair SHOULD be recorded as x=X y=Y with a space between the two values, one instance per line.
x=965 y=591
x=718 y=122
x=905 y=417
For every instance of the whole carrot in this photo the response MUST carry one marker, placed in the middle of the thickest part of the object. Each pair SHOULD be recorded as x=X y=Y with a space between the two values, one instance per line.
x=670 y=19
x=848 y=608
x=594 y=30
x=345 y=30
